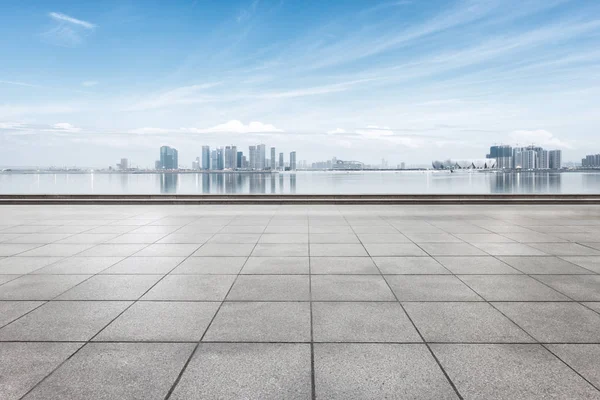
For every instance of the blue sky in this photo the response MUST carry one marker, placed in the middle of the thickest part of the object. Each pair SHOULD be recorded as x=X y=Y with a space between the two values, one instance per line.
x=89 y=82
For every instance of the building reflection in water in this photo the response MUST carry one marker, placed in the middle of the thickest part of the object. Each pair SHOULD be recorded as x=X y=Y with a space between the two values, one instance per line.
x=224 y=183
x=526 y=182
x=168 y=183
x=292 y=183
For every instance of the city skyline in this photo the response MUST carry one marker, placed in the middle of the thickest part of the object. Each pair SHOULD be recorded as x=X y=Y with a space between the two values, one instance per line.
x=410 y=79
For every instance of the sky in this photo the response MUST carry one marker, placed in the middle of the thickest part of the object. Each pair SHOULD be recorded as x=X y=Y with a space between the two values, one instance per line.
x=86 y=83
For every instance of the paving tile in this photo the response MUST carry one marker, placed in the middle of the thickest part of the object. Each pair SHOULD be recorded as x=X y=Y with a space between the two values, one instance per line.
x=7 y=278
x=240 y=229
x=394 y=249
x=583 y=358
x=533 y=237
x=117 y=371
x=331 y=229
x=191 y=288
x=362 y=322
x=510 y=371
x=577 y=287
x=325 y=238
x=483 y=238
x=11 y=310
x=337 y=250
x=280 y=250
x=383 y=238
x=25 y=265
x=476 y=265
x=509 y=249
x=555 y=322
x=210 y=266
x=451 y=249
x=86 y=238
x=409 y=265
x=167 y=250
x=543 y=265
x=11 y=249
x=133 y=238
x=378 y=371
x=511 y=288
x=42 y=238
x=224 y=250
x=261 y=322
x=161 y=321
x=358 y=229
x=591 y=263
x=63 y=321
x=57 y=250
x=286 y=229
x=565 y=249
x=256 y=370
x=191 y=238
x=39 y=287
x=112 y=250
x=464 y=322
x=79 y=265
x=270 y=288
x=144 y=265
x=111 y=287
x=235 y=238
x=433 y=238
x=342 y=265
x=24 y=365
x=430 y=288
x=154 y=229
x=350 y=288
x=594 y=306
x=276 y=265
x=284 y=238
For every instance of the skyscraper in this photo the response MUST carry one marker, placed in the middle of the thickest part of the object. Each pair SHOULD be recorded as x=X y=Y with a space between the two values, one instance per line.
x=213 y=160
x=220 y=159
x=293 y=161
x=239 y=161
x=261 y=150
x=252 y=157
x=503 y=155
x=168 y=158
x=273 y=158
x=281 y=164
x=529 y=159
x=230 y=157
x=555 y=159
x=205 y=157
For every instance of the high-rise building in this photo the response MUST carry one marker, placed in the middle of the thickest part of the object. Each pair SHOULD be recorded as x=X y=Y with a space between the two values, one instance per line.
x=261 y=151
x=230 y=157
x=205 y=157
x=293 y=161
x=252 y=163
x=213 y=160
x=220 y=165
x=543 y=161
x=591 y=161
x=196 y=163
x=273 y=158
x=503 y=155
x=168 y=158
x=281 y=164
x=555 y=159
x=239 y=161
x=124 y=164
x=529 y=159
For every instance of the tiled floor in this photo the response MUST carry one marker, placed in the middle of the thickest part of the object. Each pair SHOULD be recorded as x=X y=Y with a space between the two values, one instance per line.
x=299 y=302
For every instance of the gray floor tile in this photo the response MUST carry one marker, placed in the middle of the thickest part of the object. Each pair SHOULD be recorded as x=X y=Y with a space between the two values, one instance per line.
x=24 y=365
x=383 y=238
x=63 y=321
x=510 y=371
x=373 y=229
x=224 y=250
x=25 y=265
x=168 y=250
x=276 y=265
x=350 y=288
x=11 y=249
x=284 y=238
x=533 y=237
x=85 y=238
x=543 y=265
x=393 y=249
x=337 y=250
x=261 y=322
x=39 y=287
x=161 y=321
x=280 y=250
x=464 y=322
x=57 y=250
x=509 y=249
x=331 y=229
x=378 y=371
x=191 y=287
x=565 y=249
x=117 y=371
x=197 y=238
x=511 y=288
x=339 y=238
x=433 y=238
x=270 y=288
x=591 y=263
x=342 y=265
x=476 y=265
x=79 y=265
x=577 y=287
x=451 y=249
x=111 y=287
x=42 y=238
x=483 y=238
x=409 y=265
x=7 y=278
x=430 y=288
x=112 y=250
x=11 y=310
x=253 y=370
x=144 y=265
x=583 y=358
x=235 y=238
x=133 y=238
x=210 y=266
x=555 y=322
x=362 y=322
x=593 y=305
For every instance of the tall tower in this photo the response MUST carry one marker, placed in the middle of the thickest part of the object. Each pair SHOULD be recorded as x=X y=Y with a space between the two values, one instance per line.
x=293 y=161
x=281 y=164
x=205 y=158
x=261 y=149
x=273 y=159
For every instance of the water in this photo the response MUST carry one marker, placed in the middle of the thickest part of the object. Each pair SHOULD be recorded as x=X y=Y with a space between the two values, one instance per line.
x=315 y=182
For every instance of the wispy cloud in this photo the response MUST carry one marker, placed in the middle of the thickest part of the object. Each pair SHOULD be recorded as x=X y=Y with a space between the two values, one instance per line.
x=89 y=83
x=68 y=31
x=191 y=94
x=538 y=137
x=65 y=18
x=235 y=126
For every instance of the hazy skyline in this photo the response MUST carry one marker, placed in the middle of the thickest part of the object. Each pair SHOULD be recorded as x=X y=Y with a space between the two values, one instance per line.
x=88 y=83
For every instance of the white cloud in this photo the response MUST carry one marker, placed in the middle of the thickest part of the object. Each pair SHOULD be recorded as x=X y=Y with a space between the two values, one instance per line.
x=336 y=131
x=235 y=126
x=65 y=127
x=89 y=83
x=149 y=131
x=8 y=111
x=375 y=131
x=65 y=18
x=538 y=137
x=191 y=94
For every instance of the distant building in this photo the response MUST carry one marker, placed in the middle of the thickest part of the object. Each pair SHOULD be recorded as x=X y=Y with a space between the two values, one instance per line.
x=503 y=155
x=273 y=158
x=196 y=163
x=346 y=165
x=281 y=162
x=157 y=164
x=220 y=165
x=123 y=165
x=293 y=161
x=555 y=159
x=230 y=157
x=205 y=158
x=239 y=162
x=529 y=159
x=485 y=163
x=168 y=158
x=402 y=165
x=591 y=161
x=252 y=154
x=261 y=156
x=213 y=160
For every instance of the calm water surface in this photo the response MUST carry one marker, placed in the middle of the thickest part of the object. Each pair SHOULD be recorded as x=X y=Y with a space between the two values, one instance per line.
x=372 y=182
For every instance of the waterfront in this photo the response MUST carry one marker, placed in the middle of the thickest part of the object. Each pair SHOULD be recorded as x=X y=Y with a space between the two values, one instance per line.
x=315 y=182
